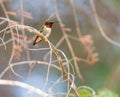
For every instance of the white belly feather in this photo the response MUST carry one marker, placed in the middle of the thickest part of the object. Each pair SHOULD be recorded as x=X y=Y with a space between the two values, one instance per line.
x=48 y=32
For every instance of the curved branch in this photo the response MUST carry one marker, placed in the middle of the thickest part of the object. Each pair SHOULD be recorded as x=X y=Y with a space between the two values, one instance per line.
x=24 y=85
x=100 y=26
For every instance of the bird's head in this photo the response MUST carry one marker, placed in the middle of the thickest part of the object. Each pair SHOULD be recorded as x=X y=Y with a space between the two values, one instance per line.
x=49 y=24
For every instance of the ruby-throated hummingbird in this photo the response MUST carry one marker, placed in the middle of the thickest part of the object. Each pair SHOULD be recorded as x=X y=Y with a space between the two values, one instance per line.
x=46 y=30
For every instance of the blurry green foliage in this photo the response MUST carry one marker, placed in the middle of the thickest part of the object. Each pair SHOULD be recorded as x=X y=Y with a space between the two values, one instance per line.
x=85 y=92
x=117 y=1
x=107 y=93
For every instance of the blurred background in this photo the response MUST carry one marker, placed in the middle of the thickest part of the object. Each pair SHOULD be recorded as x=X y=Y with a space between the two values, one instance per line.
x=96 y=57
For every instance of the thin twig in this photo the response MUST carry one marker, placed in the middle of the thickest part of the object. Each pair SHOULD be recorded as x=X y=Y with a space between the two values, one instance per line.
x=26 y=62
x=68 y=42
x=11 y=30
x=75 y=18
x=100 y=26
x=64 y=73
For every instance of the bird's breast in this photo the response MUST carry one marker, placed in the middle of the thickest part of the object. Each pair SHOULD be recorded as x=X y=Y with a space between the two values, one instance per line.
x=47 y=31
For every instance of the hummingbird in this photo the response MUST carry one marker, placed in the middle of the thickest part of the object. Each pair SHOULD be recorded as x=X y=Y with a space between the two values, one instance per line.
x=46 y=30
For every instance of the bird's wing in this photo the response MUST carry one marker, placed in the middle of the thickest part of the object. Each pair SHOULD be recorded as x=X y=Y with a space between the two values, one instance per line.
x=38 y=38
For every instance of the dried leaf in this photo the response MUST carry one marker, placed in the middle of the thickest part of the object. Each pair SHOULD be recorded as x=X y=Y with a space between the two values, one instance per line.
x=87 y=41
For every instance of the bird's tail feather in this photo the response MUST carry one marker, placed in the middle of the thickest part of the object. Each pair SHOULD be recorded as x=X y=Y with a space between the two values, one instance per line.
x=37 y=40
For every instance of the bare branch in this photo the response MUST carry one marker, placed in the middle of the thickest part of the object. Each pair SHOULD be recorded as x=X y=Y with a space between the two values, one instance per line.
x=24 y=85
